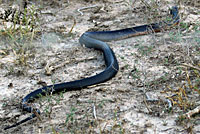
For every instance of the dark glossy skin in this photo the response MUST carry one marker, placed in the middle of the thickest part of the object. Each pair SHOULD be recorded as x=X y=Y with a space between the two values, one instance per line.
x=94 y=40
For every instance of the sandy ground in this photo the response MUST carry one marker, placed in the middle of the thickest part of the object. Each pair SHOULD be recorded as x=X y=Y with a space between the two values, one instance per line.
x=147 y=64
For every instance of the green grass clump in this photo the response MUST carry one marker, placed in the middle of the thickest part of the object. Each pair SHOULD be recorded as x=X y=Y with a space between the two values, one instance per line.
x=18 y=36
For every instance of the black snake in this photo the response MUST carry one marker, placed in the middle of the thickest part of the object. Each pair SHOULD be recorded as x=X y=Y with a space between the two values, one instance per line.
x=95 y=40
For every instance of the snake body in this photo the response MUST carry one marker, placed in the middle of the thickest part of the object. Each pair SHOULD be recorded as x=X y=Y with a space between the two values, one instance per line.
x=93 y=40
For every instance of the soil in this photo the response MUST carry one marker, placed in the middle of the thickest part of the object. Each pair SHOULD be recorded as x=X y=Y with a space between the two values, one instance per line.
x=149 y=69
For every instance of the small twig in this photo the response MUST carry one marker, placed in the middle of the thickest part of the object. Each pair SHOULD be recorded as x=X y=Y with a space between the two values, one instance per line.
x=72 y=26
x=105 y=126
x=146 y=4
x=2 y=52
x=145 y=102
x=83 y=8
x=94 y=112
x=49 y=68
x=188 y=65
x=192 y=112
x=38 y=115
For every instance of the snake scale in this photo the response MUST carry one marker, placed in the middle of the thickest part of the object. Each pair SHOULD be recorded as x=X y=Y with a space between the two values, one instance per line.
x=97 y=41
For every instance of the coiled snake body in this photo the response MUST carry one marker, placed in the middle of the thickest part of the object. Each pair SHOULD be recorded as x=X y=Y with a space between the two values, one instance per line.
x=94 y=40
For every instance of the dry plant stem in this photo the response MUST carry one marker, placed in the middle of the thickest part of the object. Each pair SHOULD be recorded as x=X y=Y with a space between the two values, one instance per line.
x=72 y=26
x=188 y=65
x=145 y=102
x=146 y=4
x=49 y=68
x=192 y=112
x=83 y=8
x=104 y=128
x=38 y=116
x=94 y=112
x=2 y=52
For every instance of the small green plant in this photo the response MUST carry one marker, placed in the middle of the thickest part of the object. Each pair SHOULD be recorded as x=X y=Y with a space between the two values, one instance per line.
x=144 y=50
x=70 y=116
x=135 y=73
x=177 y=37
x=5 y=102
